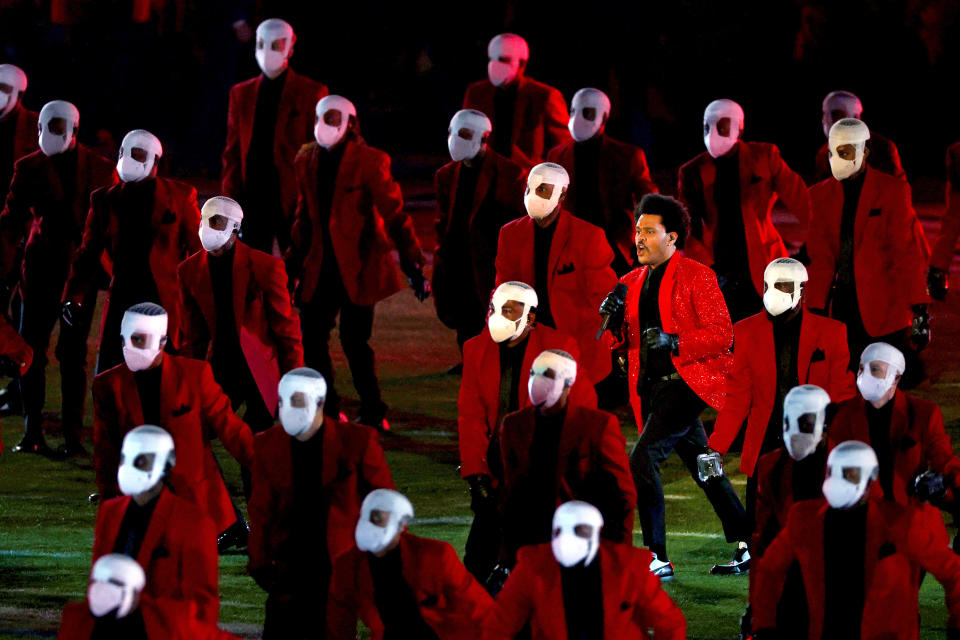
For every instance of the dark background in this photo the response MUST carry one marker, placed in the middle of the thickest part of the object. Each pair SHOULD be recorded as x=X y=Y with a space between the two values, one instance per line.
x=406 y=65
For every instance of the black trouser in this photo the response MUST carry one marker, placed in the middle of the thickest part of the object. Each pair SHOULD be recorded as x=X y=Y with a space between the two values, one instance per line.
x=740 y=295
x=482 y=550
x=299 y=614
x=672 y=423
x=264 y=218
x=40 y=312
x=318 y=318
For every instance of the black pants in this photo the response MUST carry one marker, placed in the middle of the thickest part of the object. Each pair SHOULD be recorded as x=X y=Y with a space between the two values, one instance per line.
x=39 y=313
x=672 y=422
x=482 y=550
x=318 y=318
x=299 y=615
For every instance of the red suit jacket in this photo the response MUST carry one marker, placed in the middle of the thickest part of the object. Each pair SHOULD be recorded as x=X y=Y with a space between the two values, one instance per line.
x=296 y=115
x=194 y=410
x=764 y=177
x=268 y=326
x=898 y=540
x=635 y=606
x=13 y=346
x=539 y=117
x=34 y=207
x=692 y=307
x=916 y=435
x=366 y=220
x=883 y=157
x=479 y=400
x=624 y=179
x=178 y=553
x=591 y=443
x=775 y=496
x=450 y=600
x=163 y=619
x=822 y=359
x=175 y=220
x=890 y=250
x=25 y=138
x=950 y=222
x=580 y=278
x=353 y=465
x=498 y=195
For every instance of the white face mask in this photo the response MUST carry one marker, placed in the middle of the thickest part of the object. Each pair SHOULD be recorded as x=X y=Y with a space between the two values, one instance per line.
x=840 y=493
x=153 y=327
x=718 y=145
x=328 y=136
x=211 y=239
x=872 y=388
x=222 y=207
x=544 y=391
x=461 y=149
x=143 y=440
x=503 y=329
x=373 y=538
x=104 y=597
x=847 y=131
x=545 y=173
x=270 y=62
x=502 y=73
x=6 y=100
x=804 y=415
x=776 y=301
x=843 y=169
x=570 y=548
x=783 y=270
x=16 y=78
x=851 y=454
x=132 y=171
x=269 y=31
x=296 y=420
x=580 y=128
x=510 y=46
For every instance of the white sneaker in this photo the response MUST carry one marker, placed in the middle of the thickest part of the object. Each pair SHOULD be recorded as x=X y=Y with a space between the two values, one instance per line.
x=661 y=569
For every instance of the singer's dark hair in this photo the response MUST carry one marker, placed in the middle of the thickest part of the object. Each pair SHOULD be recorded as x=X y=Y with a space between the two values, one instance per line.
x=673 y=214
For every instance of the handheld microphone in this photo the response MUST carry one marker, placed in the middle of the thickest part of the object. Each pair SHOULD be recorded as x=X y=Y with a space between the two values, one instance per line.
x=620 y=293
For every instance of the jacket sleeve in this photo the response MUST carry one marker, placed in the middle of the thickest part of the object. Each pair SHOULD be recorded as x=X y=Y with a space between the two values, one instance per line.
x=106 y=440
x=442 y=214
x=657 y=612
x=342 y=611
x=514 y=604
x=231 y=185
x=474 y=437
x=926 y=549
x=613 y=454
x=13 y=346
x=301 y=230
x=713 y=332
x=283 y=321
x=389 y=202
x=220 y=418
x=199 y=569
x=913 y=251
x=765 y=513
x=736 y=408
x=843 y=384
x=14 y=220
x=823 y=260
x=555 y=119
x=640 y=181
x=374 y=468
x=950 y=220
x=938 y=449
x=767 y=583
x=599 y=277
x=790 y=187
x=189 y=238
x=86 y=262
x=504 y=273
x=261 y=513
x=194 y=333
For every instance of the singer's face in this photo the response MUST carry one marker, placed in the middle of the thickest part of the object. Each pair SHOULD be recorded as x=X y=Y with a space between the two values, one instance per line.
x=654 y=244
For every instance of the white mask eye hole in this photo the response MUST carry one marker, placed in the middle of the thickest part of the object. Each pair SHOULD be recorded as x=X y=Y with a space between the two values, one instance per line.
x=583 y=531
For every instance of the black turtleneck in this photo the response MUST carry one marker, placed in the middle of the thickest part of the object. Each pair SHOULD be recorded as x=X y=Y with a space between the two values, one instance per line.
x=310 y=508
x=544 y=453
x=396 y=603
x=807 y=478
x=227 y=352
x=585 y=201
x=65 y=166
x=844 y=558
x=786 y=345
x=133 y=527
x=131 y=263
x=730 y=242
x=504 y=103
x=583 y=600
x=129 y=627
x=851 y=199
x=260 y=152
x=8 y=136
x=879 y=421
x=328 y=166
x=148 y=388
x=542 y=241
x=511 y=365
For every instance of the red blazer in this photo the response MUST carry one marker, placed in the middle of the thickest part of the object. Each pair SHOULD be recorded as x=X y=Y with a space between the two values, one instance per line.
x=295 y=119
x=178 y=553
x=822 y=359
x=267 y=324
x=591 y=443
x=764 y=177
x=25 y=138
x=497 y=199
x=13 y=346
x=163 y=619
x=624 y=179
x=635 y=606
x=194 y=410
x=366 y=221
x=916 y=433
x=175 y=220
x=692 y=307
x=890 y=250
x=774 y=497
x=353 y=465
x=898 y=540
x=883 y=157
x=539 y=117
x=950 y=222
x=580 y=278
x=450 y=600
x=479 y=399
x=34 y=207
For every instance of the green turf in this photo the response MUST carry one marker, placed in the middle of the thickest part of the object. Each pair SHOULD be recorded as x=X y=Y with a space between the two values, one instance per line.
x=46 y=523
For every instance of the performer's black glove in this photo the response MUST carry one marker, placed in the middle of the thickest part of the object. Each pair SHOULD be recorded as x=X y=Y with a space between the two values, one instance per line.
x=419 y=284
x=498 y=577
x=937 y=284
x=9 y=368
x=929 y=487
x=920 y=327
x=654 y=338
x=613 y=307
x=481 y=492
x=70 y=312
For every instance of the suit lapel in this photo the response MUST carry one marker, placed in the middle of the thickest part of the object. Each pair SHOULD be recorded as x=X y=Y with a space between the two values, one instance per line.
x=158 y=521
x=805 y=352
x=863 y=206
x=487 y=169
x=169 y=388
x=559 y=243
x=708 y=176
x=899 y=419
x=331 y=449
x=130 y=396
x=204 y=289
x=240 y=281
x=666 y=297
x=633 y=304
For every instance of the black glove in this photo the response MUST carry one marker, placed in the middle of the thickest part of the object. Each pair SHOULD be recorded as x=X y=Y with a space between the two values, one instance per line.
x=498 y=577
x=9 y=368
x=70 y=311
x=920 y=327
x=937 y=284
x=613 y=307
x=481 y=492
x=929 y=487
x=419 y=284
x=654 y=338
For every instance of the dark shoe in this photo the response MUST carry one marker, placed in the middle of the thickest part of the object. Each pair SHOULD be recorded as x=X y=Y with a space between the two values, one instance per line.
x=235 y=536
x=71 y=449
x=93 y=498
x=739 y=565
x=455 y=370
x=31 y=443
x=10 y=402
x=375 y=417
